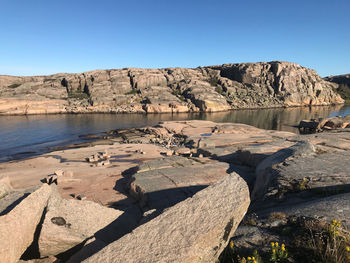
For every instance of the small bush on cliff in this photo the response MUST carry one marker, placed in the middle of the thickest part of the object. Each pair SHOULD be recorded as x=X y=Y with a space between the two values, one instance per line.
x=78 y=95
x=214 y=81
x=15 y=85
x=132 y=92
x=344 y=92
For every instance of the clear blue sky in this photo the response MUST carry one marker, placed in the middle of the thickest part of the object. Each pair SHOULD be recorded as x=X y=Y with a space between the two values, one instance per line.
x=51 y=36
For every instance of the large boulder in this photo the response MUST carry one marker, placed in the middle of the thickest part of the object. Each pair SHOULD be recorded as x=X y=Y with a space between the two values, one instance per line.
x=195 y=230
x=18 y=226
x=68 y=223
x=161 y=188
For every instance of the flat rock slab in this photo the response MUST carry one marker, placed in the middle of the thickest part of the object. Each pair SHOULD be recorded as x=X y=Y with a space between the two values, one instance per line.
x=97 y=183
x=18 y=226
x=160 y=163
x=14 y=198
x=335 y=139
x=328 y=208
x=67 y=223
x=265 y=173
x=195 y=230
x=322 y=174
x=162 y=188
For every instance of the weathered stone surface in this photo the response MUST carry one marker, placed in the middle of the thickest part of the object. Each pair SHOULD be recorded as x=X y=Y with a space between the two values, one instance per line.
x=325 y=208
x=212 y=88
x=263 y=170
x=69 y=222
x=14 y=198
x=310 y=177
x=266 y=83
x=168 y=162
x=206 y=98
x=195 y=230
x=161 y=188
x=5 y=186
x=18 y=226
x=343 y=82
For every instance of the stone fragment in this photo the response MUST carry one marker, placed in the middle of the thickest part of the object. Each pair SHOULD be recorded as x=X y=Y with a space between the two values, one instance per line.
x=81 y=197
x=195 y=230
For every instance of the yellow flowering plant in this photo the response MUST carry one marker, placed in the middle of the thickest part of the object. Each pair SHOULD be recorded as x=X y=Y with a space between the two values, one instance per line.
x=279 y=253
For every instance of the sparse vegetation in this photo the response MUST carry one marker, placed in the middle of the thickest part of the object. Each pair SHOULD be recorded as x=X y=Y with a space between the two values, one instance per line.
x=309 y=240
x=344 y=92
x=132 y=92
x=48 y=80
x=15 y=85
x=78 y=95
x=214 y=81
x=219 y=90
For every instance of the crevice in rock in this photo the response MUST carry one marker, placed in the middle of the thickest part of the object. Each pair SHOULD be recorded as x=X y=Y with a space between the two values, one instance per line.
x=32 y=251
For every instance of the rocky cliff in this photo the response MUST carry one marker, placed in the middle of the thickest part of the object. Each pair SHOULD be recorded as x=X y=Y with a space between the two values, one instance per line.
x=343 y=82
x=207 y=89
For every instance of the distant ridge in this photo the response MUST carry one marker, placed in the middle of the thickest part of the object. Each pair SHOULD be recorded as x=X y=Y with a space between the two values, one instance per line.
x=136 y=90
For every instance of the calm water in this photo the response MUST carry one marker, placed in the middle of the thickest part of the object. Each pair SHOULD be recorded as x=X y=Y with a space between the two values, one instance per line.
x=21 y=135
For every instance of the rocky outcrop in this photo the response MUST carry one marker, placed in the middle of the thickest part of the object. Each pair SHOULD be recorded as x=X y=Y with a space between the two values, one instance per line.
x=207 y=89
x=277 y=83
x=195 y=230
x=18 y=226
x=343 y=82
x=319 y=125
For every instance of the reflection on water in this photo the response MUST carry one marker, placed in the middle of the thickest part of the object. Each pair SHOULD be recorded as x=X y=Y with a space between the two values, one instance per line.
x=37 y=133
x=278 y=119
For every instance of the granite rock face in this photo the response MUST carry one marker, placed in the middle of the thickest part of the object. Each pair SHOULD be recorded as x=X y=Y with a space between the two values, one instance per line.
x=68 y=223
x=5 y=186
x=207 y=89
x=195 y=230
x=18 y=226
x=343 y=82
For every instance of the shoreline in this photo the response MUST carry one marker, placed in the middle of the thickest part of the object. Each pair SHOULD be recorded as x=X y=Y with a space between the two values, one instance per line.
x=146 y=173
x=83 y=137
x=173 y=113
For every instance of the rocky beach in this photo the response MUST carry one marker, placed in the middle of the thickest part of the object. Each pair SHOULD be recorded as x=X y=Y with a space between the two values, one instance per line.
x=174 y=131
x=204 y=184
x=183 y=190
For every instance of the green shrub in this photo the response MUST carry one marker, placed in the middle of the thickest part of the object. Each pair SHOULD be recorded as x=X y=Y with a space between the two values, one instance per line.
x=132 y=92
x=15 y=85
x=76 y=95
